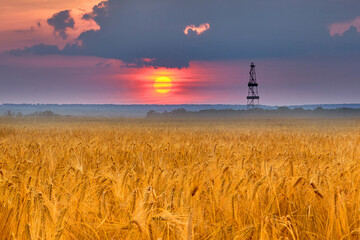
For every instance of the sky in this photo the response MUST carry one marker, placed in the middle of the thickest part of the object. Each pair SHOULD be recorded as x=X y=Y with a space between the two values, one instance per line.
x=112 y=52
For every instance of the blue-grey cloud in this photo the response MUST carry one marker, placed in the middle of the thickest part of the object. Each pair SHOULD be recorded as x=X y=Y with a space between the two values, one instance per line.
x=349 y=43
x=39 y=49
x=140 y=29
x=99 y=11
x=61 y=21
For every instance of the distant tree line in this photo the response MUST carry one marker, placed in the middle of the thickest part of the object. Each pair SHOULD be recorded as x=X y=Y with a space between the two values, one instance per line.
x=257 y=112
x=46 y=113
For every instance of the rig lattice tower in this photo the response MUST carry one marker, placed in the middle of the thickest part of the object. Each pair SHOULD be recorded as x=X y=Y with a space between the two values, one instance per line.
x=253 y=95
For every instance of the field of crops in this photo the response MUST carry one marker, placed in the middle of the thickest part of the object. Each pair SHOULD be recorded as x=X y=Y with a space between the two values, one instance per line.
x=173 y=179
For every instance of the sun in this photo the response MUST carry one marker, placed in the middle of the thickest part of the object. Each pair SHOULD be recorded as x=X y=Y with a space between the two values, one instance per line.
x=162 y=85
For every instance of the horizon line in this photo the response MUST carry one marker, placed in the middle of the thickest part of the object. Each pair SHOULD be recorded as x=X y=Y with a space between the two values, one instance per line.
x=175 y=104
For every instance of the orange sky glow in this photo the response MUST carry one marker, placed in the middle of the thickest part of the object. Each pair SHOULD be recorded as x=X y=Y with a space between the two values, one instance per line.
x=190 y=85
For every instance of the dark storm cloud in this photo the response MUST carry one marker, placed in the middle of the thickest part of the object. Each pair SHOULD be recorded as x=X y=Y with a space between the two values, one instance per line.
x=140 y=29
x=61 y=21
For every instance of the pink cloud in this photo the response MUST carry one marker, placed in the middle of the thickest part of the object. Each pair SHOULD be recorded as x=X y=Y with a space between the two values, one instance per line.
x=148 y=60
x=199 y=30
x=340 y=27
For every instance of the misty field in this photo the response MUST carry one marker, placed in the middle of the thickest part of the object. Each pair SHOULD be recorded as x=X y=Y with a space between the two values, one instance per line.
x=189 y=179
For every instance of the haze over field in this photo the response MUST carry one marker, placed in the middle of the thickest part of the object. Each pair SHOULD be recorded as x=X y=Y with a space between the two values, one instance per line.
x=139 y=111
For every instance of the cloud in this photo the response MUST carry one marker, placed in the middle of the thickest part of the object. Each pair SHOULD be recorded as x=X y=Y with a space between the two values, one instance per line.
x=347 y=44
x=103 y=64
x=30 y=30
x=339 y=28
x=198 y=30
x=136 y=30
x=61 y=21
x=98 y=11
x=39 y=49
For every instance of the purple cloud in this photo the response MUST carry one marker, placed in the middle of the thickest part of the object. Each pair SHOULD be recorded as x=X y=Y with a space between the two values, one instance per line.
x=61 y=21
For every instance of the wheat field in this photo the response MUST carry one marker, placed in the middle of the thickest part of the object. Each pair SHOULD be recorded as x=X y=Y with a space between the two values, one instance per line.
x=179 y=179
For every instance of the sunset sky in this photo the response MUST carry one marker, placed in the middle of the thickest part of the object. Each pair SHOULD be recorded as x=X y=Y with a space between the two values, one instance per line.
x=88 y=51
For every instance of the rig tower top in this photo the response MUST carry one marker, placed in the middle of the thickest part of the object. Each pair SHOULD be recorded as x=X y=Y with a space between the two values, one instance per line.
x=253 y=95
